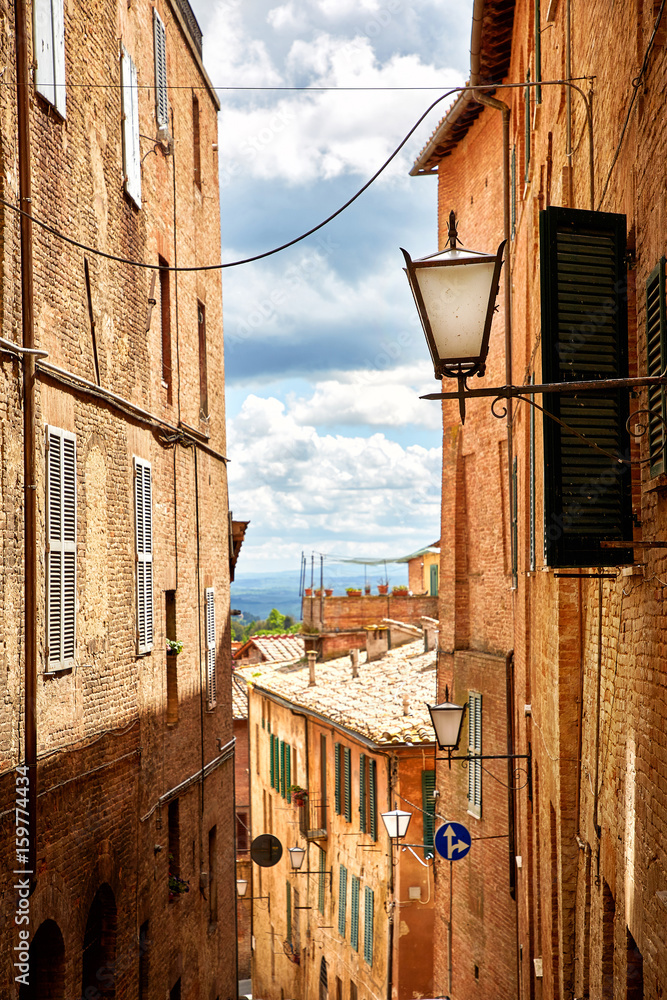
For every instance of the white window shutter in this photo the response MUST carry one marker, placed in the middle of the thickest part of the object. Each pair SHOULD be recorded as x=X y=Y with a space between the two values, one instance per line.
x=130 y=108
x=61 y=547
x=143 y=520
x=49 y=52
x=211 y=689
x=160 y=49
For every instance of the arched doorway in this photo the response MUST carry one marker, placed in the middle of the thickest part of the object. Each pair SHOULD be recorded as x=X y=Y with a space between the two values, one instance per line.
x=47 y=965
x=324 y=980
x=99 y=947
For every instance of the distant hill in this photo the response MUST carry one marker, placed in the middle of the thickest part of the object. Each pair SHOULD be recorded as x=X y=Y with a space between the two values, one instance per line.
x=255 y=594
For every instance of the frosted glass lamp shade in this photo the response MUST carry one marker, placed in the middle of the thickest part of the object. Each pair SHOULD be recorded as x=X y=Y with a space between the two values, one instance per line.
x=447 y=719
x=241 y=886
x=455 y=294
x=396 y=822
x=296 y=856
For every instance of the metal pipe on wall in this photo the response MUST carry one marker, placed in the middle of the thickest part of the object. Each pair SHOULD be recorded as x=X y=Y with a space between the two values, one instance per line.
x=29 y=484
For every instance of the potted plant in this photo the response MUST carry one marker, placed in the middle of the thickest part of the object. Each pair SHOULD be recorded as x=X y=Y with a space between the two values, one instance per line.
x=400 y=591
x=308 y=592
x=299 y=794
x=174 y=647
x=353 y=591
x=328 y=591
x=383 y=586
x=367 y=589
x=177 y=885
x=318 y=592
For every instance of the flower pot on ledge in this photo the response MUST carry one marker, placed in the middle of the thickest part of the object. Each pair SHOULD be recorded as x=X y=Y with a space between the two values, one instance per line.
x=383 y=588
x=352 y=592
x=399 y=592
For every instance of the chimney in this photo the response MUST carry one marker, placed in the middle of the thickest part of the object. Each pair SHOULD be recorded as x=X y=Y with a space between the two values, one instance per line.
x=406 y=705
x=312 y=656
x=354 y=656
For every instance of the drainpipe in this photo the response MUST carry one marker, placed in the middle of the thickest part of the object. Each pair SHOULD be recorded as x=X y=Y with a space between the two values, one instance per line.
x=29 y=484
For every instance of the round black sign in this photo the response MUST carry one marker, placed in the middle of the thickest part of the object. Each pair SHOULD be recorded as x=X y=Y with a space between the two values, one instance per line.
x=266 y=850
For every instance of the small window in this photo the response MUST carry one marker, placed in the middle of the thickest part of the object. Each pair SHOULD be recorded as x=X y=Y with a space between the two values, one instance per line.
x=143 y=505
x=368 y=925
x=242 y=832
x=354 y=913
x=160 y=51
x=211 y=685
x=130 y=109
x=61 y=548
x=196 y=141
x=342 y=900
x=144 y=961
x=474 y=749
x=203 y=378
x=174 y=837
x=172 y=658
x=165 y=323
x=49 y=52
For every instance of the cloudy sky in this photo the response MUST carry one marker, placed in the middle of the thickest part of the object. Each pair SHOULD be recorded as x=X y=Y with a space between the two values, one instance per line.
x=331 y=448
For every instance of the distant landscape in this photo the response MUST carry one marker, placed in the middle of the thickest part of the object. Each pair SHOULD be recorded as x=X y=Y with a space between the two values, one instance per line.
x=255 y=594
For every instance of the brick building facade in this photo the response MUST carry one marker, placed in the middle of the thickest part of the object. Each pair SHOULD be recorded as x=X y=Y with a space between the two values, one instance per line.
x=358 y=742
x=572 y=630
x=134 y=748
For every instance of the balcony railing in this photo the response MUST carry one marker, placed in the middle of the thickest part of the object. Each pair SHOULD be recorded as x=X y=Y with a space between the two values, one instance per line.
x=313 y=819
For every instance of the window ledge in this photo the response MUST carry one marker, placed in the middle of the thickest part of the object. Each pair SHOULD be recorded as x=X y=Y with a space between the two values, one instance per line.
x=57 y=671
x=658 y=482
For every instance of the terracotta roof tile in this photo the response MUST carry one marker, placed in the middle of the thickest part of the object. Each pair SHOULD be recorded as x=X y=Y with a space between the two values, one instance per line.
x=371 y=704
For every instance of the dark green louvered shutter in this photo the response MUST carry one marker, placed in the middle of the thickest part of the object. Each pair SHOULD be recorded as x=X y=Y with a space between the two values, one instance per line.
x=272 y=760
x=354 y=913
x=321 y=882
x=372 y=801
x=347 y=783
x=368 y=925
x=282 y=768
x=584 y=337
x=342 y=899
x=337 y=795
x=428 y=815
x=288 y=772
x=276 y=763
x=363 y=806
x=656 y=356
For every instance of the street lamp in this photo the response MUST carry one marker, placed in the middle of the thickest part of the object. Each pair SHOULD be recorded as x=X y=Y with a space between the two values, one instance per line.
x=447 y=719
x=296 y=856
x=396 y=823
x=455 y=294
x=241 y=886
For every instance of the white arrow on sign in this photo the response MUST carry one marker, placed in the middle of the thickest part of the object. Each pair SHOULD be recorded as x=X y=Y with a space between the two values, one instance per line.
x=452 y=844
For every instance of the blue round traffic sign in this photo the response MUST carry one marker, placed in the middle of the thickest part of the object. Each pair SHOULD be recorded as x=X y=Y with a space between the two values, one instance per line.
x=453 y=841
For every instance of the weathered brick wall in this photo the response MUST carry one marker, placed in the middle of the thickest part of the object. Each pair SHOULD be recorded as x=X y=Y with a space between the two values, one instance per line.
x=332 y=613
x=106 y=752
x=590 y=835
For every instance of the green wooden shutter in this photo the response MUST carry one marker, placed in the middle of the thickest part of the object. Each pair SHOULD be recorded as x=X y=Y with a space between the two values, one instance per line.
x=342 y=899
x=368 y=925
x=337 y=795
x=363 y=805
x=656 y=357
x=288 y=772
x=372 y=800
x=428 y=815
x=321 y=882
x=276 y=763
x=347 y=783
x=354 y=913
x=288 y=910
x=272 y=761
x=282 y=768
x=584 y=337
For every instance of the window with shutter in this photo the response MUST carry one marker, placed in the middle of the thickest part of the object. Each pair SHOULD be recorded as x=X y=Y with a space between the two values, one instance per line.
x=363 y=803
x=587 y=495
x=321 y=881
x=211 y=683
x=288 y=772
x=342 y=900
x=368 y=925
x=49 y=52
x=347 y=783
x=160 y=51
x=276 y=764
x=61 y=548
x=337 y=782
x=283 y=749
x=130 y=108
x=354 y=913
x=475 y=748
x=143 y=519
x=656 y=357
x=428 y=814
x=372 y=800
x=271 y=760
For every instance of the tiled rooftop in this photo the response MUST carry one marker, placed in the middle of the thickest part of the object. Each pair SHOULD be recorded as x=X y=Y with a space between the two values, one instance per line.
x=371 y=704
x=239 y=697
x=275 y=648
